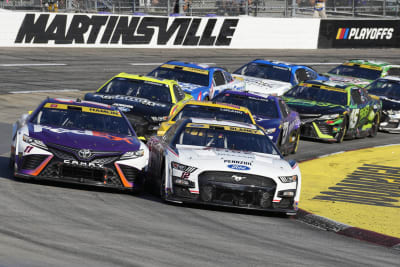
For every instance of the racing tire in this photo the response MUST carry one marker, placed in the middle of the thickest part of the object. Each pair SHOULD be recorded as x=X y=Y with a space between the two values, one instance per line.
x=162 y=186
x=340 y=136
x=207 y=98
x=279 y=146
x=375 y=126
x=296 y=144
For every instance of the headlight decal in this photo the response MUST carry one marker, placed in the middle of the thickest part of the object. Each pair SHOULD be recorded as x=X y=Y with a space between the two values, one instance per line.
x=133 y=154
x=34 y=142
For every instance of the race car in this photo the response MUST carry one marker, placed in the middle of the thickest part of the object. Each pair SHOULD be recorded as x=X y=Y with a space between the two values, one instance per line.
x=274 y=77
x=223 y=163
x=388 y=90
x=362 y=72
x=334 y=111
x=280 y=122
x=199 y=80
x=207 y=109
x=146 y=101
x=78 y=142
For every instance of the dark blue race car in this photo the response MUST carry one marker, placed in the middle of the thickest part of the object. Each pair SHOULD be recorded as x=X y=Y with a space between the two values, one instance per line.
x=199 y=80
x=271 y=113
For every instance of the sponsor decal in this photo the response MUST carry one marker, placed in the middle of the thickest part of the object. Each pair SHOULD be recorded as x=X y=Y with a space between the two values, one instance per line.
x=238 y=167
x=240 y=162
x=142 y=101
x=364 y=33
x=83 y=164
x=114 y=113
x=62 y=29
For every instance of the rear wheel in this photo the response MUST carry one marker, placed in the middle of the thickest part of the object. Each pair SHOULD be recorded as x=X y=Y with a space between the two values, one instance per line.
x=340 y=136
x=375 y=126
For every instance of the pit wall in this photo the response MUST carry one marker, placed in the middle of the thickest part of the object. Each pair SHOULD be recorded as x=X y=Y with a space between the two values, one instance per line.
x=20 y=29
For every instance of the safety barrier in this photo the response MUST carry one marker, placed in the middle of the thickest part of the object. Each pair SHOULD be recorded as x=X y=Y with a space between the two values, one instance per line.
x=126 y=31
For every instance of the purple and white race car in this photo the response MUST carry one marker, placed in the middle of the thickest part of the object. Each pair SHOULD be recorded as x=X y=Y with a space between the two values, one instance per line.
x=78 y=142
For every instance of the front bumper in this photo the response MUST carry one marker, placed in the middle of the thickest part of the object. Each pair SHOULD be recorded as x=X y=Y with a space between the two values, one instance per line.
x=390 y=124
x=319 y=130
x=218 y=191
x=109 y=174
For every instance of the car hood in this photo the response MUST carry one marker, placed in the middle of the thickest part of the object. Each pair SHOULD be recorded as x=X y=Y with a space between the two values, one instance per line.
x=83 y=139
x=206 y=158
x=264 y=86
x=132 y=105
x=348 y=79
x=312 y=107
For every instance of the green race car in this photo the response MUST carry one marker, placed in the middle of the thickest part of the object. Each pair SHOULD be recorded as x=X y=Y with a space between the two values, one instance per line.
x=361 y=72
x=332 y=111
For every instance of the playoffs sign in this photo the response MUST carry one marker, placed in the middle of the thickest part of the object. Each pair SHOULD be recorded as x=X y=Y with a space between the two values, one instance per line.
x=135 y=31
x=359 y=33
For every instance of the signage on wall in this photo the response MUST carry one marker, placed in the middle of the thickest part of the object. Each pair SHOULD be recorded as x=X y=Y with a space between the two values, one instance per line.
x=359 y=33
x=103 y=30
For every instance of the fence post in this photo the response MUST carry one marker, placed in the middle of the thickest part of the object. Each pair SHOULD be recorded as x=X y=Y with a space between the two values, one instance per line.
x=353 y=6
x=384 y=8
x=294 y=5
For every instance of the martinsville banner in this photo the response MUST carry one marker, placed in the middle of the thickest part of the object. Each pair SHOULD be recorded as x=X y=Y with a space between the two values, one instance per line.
x=122 y=31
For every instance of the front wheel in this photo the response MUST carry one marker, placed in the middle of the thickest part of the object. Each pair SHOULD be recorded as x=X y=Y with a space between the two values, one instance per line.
x=162 y=185
x=296 y=145
x=340 y=136
x=375 y=126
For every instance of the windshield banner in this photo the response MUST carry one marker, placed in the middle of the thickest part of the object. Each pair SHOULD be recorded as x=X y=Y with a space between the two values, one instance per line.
x=359 y=34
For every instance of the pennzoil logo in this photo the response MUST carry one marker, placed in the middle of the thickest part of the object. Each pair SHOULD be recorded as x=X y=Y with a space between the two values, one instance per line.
x=364 y=33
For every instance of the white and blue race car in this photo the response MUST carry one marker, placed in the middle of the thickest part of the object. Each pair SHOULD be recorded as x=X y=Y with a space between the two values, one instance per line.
x=223 y=163
x=199 y=80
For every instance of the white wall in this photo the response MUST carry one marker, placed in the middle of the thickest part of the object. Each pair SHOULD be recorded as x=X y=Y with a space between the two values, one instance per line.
x=243 y=32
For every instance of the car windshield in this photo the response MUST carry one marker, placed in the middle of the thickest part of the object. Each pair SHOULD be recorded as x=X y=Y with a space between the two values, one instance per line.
x=356 y=72
x=138 y=88
x=257 y=106
x=334 y=96
x=180 y=75
x=200 y=111
x=265 y=71
x=226 y=137
x=82 y=118
x=387 y=88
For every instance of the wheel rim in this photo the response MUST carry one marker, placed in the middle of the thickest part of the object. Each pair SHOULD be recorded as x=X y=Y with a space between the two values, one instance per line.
x=296 y=146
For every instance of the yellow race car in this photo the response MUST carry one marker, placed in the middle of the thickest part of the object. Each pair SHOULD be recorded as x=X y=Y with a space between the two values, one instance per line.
x=146 y=101
x=208 y=110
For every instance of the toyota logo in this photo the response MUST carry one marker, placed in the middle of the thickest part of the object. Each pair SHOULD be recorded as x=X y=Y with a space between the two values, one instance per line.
x=84 y=153
x=238 y=178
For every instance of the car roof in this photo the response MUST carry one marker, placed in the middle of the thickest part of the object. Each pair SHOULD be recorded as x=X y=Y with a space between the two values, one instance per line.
x=217 y=104
x=190 y=65
x=329 y=85
x=367 y=62
x=249 y=94
x=144 y=78
x=224 y=123
x=79 y=102
x=276 y=63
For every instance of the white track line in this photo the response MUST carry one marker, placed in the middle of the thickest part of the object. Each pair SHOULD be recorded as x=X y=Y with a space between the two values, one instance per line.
x=32 y=65
x=319 y=63
x=43 y=91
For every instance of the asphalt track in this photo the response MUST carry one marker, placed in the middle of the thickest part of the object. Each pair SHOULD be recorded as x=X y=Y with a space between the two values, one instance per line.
x=49 y=224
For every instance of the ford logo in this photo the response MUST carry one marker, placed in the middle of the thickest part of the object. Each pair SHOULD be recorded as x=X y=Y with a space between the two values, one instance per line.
x=238 y=167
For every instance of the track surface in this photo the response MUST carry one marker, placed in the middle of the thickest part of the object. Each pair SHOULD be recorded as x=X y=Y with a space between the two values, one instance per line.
x=45 y=224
